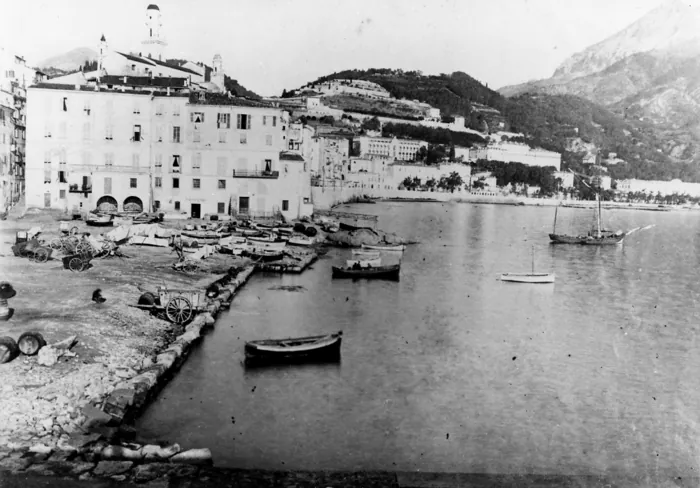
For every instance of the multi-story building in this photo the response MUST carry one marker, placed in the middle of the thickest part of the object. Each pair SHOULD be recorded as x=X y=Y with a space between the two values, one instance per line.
x=154 y=144
x=387 y=148
x=511 y=152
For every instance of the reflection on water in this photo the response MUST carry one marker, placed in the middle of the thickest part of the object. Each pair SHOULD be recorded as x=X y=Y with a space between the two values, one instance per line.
x=451 y=369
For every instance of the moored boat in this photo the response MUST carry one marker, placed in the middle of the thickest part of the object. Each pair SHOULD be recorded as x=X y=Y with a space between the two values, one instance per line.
x=365 y=253
x=205 y=234
x=388 y=247
x=248 y=232
x=386 y=272
x=97 y=220
x=263 y=255
x=363 y=263
x=528 y=277
x=300 y=241
x=264 y=244
x=294 y=349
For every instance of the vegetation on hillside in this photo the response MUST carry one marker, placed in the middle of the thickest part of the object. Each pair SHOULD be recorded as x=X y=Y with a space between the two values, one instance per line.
x=429 y=134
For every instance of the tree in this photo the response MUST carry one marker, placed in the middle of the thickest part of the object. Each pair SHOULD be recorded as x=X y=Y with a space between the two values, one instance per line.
x=478 y=184
x=430 y=184
x=454 y=181
x=422 y=154
x=371 y=124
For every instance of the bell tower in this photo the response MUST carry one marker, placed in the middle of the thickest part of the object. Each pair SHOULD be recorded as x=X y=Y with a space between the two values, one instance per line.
x=153 y=46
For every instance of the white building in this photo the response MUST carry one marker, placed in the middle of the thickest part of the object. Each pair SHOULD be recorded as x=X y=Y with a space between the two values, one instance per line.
x=566 y=177
x=388 y=148
x=160 y=148
x=654 y=187
x=511 y=152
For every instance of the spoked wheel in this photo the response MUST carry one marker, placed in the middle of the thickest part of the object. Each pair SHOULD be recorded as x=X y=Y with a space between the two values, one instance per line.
x=73 y=231
x=83 y=248
x=179 y=310
x=41 y=255
x=76 y=264
x=189 y=267
x=56 y=244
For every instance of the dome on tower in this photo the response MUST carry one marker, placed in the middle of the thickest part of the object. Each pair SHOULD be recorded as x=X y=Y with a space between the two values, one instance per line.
x=153 y=6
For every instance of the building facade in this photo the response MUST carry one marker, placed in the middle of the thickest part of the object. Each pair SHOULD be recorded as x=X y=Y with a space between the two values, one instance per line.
x=387 y=148
x=511 y=152
x=170 y=150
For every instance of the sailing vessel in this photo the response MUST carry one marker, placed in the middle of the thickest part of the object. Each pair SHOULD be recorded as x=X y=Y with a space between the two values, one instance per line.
x=596 y=237
x=529 y=277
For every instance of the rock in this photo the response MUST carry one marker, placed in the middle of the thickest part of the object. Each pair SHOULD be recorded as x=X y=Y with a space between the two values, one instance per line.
x=167 y=359
x=65 y=344
x=48 y=356
x=118 y=452
x=183 y=470
x=41 y=468
x=47 y=424
x=95 y=417
x=146 y=363
x=119 y=477
x=62 y=456
x=209 y=319
x=111 y=468
x=148 y=472
x=41 y=449
x=125 y=373
x=85 y=477
x=189 y=337
x=152 y=452
x=193 y=456
x=178 y=347
x=108 y=433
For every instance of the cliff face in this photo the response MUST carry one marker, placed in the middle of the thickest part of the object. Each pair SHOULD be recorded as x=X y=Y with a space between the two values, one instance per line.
x=649 y=71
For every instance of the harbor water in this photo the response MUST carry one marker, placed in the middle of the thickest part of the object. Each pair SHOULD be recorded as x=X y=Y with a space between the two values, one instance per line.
x=452 y=370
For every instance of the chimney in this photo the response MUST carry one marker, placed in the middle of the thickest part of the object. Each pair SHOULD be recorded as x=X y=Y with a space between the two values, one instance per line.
x=168 y=92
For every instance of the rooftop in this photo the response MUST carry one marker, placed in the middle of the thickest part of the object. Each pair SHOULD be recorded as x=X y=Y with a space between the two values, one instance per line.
x=153 y=6
x=223 y=99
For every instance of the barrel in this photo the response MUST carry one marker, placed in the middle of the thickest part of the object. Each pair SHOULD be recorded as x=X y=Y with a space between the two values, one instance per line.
x=8 y=349
x=29 y=343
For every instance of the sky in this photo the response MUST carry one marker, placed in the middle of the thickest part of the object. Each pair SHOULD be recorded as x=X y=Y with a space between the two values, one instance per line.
x=268 y=45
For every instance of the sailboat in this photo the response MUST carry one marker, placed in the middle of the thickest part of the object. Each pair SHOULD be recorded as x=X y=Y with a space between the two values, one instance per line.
x=531 y=277
x=596 y=237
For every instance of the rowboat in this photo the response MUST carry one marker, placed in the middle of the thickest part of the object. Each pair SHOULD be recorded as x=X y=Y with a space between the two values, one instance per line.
x=284 y=230
x=263 y=255
x=387 y=272
x=277 y=246
x=248 y=232
x=528 y=277
x=363 y=263
x=300 y=241
x=365 y=253
x=96 y=220
x=205 y=234
x=294 y=349
x=397 y=247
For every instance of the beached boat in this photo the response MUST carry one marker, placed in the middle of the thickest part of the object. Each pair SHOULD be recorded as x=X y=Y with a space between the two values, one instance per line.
x=285 y=231
x=386 y=272
x=389 y=247
x=97 y=220
x=363 y=263
x=263 y=255
x=248 y=232
x=205 y=234
x=301 y=241
x=270 y=245
x=365 y=253
x=294 y=349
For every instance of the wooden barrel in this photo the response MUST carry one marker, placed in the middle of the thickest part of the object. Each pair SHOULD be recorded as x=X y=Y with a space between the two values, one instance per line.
x=8 y=349
x=29 y=343
x=311 y=232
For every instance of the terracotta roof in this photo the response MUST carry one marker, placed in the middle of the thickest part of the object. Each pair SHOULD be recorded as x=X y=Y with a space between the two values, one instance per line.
x=290 y=156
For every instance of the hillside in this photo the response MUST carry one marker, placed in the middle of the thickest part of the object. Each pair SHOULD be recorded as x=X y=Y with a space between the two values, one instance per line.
x=70 y=61
x=550 y=121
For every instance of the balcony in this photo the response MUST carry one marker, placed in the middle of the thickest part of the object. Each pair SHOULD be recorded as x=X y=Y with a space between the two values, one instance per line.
x=243 y=173
x=75 y=188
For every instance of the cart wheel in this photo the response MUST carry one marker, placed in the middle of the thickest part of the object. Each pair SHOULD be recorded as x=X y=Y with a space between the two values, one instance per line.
x=179 y=310
x=83 y=247
x=41 y=255
x=189 y=267
x=75 y=264
x=56 y=244
x=8 y=349
x=73 y=231
x=30 y=342
x=148 y=298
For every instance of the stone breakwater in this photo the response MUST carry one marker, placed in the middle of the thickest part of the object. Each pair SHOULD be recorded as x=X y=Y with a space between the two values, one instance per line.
x=63 y=435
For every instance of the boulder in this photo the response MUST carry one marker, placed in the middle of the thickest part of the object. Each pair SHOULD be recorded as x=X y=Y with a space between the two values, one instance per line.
x=95 y=417
x=193 y=456
x=48 y=356
x=147 y=472
x=156 y=453
x=40 y=448
x=209 y=318
x=111 y=468
x=167 y=359
x=119 y=452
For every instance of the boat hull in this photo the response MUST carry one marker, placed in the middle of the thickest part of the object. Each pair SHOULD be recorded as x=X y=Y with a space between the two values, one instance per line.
x=312 y=348
x=399 y=247
x=604 y=241
x=528 y=277
x=99 y=223
x=564 y=239
x=383 y=272
x=268 y=245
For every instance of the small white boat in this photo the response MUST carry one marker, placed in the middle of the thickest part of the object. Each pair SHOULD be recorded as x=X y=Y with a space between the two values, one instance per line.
x=528 y=277
x=247 y=232
x=300 y=241
x=277 y=246
x=364 y=263
x=531 y=277
x=364 y=253
x=397 y=247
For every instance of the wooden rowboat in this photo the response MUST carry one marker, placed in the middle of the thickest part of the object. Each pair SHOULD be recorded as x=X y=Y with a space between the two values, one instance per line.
x=205 y=234
x=95 y=220
x=528 y=277
x=397 y=247
x=300 y=241
x=276 y=246
x=386 y=272
x=363 y=262
x=294 y=349
x=365 y=253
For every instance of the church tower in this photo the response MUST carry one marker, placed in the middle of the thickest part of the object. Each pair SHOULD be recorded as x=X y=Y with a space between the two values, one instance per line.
x=217 y=74
x=101 y=58
x=154 y=45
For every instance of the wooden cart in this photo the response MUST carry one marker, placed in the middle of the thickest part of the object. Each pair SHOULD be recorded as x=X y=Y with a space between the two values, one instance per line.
x=31 y=248
x=178 y=306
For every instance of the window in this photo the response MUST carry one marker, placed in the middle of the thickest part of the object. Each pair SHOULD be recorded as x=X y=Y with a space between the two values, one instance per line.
x=159 y=162
x=47 y=170
x=156 y=204
x=176 y=110
x=86 y=107
x=223 y=121
x=133 y=68
x=177 y=205
x=268 y=165
x=222 y=137
x=159 y=133
x=196 y=137
x=274 y=121
x=108 y=132
x=109 y=159
x=137 y=108
x=176 y=184
x=305 y=168
x=62 y=194
x=221 y=207
x=132 y=182
x=62 y=177
x=135 y=160
x=243 y=121
x=285 y=205
x=176 y=163
x=268 y=140
x=137 y=133
x=176 y=134
x=158 y=182
x=196 y=162
x=65 y=104
x=197 y=117
x=244 y=138
x=196 y=183
x=264 y=119
x=222 y=184
x=86 y=158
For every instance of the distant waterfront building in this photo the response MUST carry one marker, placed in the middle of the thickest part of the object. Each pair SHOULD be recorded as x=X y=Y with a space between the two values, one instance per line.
x=388 y=148
x=511 y=152
x=654 y=187
x=566 y=177
x=153 y=144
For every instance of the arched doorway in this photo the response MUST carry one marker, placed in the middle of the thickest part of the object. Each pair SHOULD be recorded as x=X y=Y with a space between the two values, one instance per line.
x=107 y=204
x=133 y=204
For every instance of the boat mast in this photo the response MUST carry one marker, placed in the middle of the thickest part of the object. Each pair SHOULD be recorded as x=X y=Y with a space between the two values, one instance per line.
x=554 y=228
x=597 y=197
